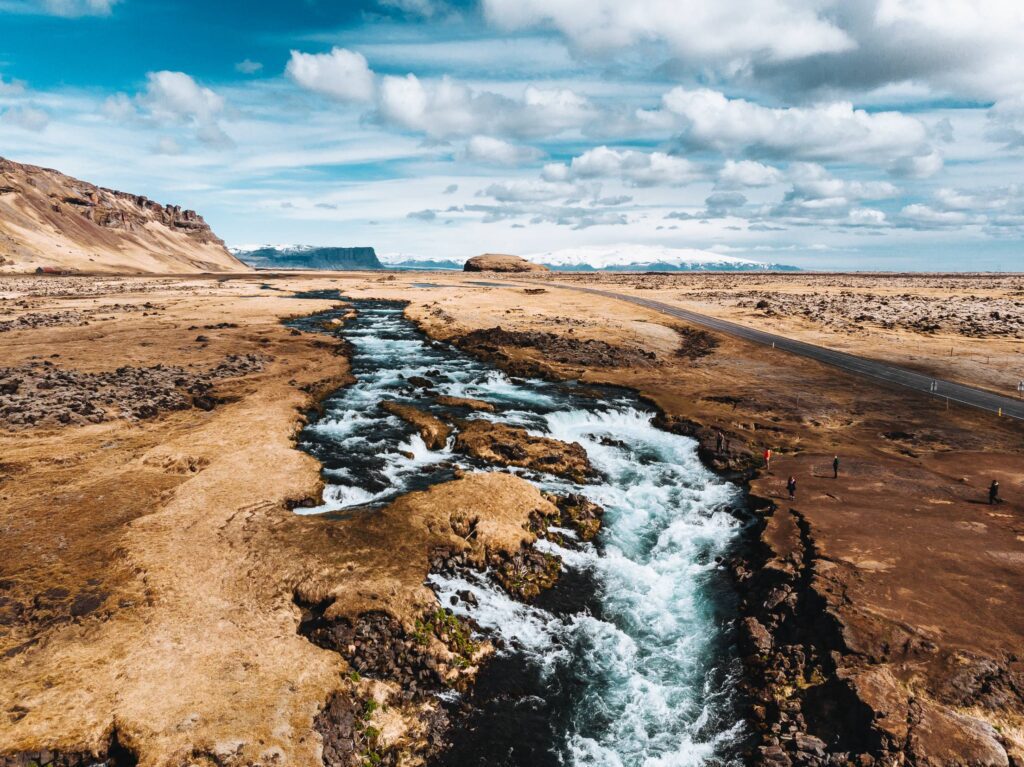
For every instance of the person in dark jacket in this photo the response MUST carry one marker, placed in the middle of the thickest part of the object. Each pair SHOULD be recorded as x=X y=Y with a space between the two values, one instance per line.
x=835 y=467
x=993 y=493
x=791 y=487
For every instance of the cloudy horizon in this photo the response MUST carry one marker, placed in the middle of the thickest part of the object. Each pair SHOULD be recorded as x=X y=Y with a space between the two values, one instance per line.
x=884 y=134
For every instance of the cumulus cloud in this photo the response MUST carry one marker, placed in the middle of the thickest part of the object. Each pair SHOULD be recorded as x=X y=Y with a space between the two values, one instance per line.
x=631 y=166
x=446 y=108
x=423 y=215
x=924 y=216
x=1006 y=122
x=998 y=210
x=451 y=189
x=341 y=74
x=923 y=165
x=494 y=151
x=27 y=118
x=176 y=97
x=726 y=30
x=818 y=196
x=708 y=119
x=965 y=48
x=747 y=173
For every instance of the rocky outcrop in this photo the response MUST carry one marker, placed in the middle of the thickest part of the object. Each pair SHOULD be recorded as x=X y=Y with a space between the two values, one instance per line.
x=465 y=402
x=52 y=221
x=488 y=344
x=505 y=445
x=497 y=262
x=433 y=430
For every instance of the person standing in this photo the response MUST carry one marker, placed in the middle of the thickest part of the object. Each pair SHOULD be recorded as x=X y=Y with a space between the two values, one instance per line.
x=791 y=487
x=768 y=459
x=993 y=493
x=835 y=467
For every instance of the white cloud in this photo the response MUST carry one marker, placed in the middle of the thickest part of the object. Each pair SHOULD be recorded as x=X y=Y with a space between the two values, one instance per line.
x=816 y=196
x=446 y=108
x=494 y=151
x=725 y=30
x=1006 y=122
x=971 y=47
x=74 y=8
x=928 y=217
x=341 y=74
x=631 y=166
x=923 y=165
x=248 y=67
x=167 y=145
x=176 y=97
x=26 y=117
x=119 y=107
x=747 y=173
x=530 y=191
x=813 y=182
x=708 y=119
x=11 y=87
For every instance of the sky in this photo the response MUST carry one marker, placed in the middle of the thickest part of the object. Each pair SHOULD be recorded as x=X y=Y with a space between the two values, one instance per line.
x=828 y=134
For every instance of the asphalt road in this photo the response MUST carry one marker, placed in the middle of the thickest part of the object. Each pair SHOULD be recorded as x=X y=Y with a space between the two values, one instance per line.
x=943 y=390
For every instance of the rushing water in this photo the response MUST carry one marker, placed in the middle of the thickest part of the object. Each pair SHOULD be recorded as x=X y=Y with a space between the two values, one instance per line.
x=628 y=660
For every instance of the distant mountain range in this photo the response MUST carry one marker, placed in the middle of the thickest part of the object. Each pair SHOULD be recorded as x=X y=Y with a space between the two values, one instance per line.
x=626 y=258
x=308 y=257
x=647 y=258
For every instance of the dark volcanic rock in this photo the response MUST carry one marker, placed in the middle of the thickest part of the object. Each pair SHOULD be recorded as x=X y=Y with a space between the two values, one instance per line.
x=488 y=344
x=40 y=393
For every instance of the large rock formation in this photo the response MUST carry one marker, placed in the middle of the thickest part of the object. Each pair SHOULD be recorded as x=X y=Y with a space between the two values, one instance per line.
x=50 y=220
x=311 y=257
x=497 y=262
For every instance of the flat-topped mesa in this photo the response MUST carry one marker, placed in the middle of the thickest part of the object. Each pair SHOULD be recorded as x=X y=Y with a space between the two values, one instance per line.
x=498 y=262
x=51 y=220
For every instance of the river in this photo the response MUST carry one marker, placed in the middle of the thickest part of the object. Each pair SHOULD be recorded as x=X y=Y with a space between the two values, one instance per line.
x=629 y=659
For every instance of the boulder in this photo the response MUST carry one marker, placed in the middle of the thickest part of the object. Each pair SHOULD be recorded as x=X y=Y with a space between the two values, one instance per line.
x=497 y=262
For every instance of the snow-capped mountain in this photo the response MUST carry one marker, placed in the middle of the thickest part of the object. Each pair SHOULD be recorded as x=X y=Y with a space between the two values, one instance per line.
x=646 y=258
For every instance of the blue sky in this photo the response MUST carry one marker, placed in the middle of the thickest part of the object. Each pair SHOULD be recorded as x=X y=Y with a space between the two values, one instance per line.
x=881 y=134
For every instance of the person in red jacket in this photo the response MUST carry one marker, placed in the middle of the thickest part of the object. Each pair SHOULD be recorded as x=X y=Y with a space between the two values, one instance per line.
x=768 y=459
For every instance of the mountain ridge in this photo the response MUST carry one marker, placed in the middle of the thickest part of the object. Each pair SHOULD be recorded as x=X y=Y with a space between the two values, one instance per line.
x=49 y=220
